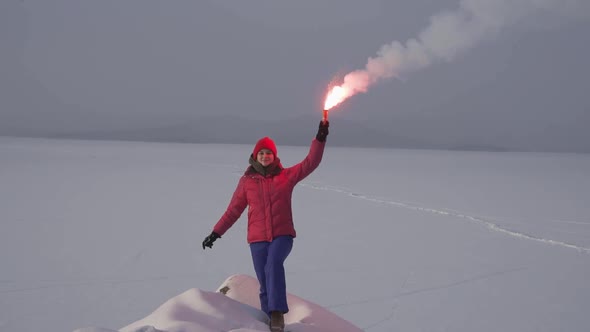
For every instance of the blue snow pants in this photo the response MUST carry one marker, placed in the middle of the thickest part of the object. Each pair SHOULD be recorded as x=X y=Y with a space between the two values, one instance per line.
x=268 y=258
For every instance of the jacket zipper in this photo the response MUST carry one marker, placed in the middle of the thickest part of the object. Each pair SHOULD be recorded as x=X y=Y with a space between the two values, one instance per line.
x=266 y=185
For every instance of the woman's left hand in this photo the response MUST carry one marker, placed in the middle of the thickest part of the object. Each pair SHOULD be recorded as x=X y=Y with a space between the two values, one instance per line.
x=323 y=131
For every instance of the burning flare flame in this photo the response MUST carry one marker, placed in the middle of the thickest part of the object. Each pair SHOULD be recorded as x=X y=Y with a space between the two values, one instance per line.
x=354 y=82
x=337 y=95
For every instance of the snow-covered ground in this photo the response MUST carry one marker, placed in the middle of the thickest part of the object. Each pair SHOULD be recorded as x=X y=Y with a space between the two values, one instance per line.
x=103 y=233
x=233 y=307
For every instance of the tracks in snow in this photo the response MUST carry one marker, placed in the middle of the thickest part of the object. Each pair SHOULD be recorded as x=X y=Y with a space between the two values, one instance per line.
x=478 y=220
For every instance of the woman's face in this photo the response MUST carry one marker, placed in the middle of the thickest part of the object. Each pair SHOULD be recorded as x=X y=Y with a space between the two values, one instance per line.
x=265 y=157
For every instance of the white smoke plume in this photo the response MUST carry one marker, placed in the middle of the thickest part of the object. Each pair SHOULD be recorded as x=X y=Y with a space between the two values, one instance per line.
x=449 y=34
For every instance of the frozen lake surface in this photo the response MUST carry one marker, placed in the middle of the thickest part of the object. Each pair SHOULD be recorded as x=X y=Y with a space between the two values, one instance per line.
x=98 y=233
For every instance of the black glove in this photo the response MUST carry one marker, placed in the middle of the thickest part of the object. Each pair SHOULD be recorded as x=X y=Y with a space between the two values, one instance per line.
x=208 y=242
x=322 y=131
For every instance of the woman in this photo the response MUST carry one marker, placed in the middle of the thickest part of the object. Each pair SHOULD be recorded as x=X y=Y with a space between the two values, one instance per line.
x=266 y=189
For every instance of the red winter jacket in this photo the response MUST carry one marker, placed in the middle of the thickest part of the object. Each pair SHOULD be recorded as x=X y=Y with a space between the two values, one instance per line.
x=269 y=199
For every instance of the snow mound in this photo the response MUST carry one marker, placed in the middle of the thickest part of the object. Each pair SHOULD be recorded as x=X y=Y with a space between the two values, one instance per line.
x=234 y=307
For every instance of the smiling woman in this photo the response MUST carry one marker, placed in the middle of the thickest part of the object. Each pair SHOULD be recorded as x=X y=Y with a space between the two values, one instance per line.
x=266 y=189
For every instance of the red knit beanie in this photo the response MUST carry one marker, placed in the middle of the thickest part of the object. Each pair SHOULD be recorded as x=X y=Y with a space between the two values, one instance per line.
x=264 y=143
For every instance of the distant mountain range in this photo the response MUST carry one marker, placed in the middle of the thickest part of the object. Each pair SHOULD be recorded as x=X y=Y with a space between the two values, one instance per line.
x=240 y=130
x=230 y=129
x=28 y=109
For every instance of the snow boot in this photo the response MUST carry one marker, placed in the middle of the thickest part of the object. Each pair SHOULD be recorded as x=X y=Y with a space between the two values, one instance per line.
x=277 y=321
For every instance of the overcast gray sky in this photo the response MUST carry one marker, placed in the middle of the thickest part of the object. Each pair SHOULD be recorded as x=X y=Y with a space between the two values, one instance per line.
x=510 y=74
